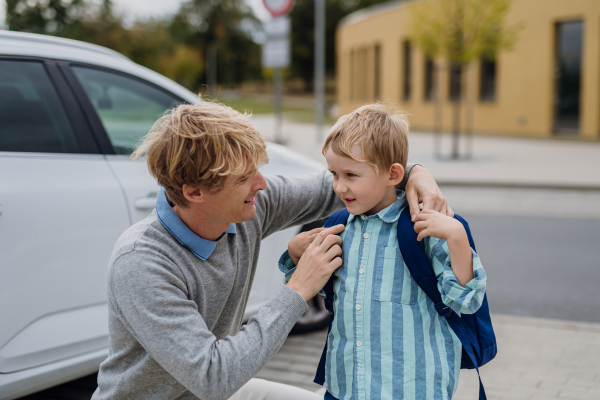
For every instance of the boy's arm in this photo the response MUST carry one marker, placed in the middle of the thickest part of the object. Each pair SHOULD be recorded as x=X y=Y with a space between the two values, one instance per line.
x=461 y=278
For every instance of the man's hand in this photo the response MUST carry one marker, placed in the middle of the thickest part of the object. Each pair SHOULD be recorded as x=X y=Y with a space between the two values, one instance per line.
x=422 y=188
x=298 y=245
x=319 y=261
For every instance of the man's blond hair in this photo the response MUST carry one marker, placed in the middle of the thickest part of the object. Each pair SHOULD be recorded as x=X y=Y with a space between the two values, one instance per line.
x=379 y=130
x=201 y=145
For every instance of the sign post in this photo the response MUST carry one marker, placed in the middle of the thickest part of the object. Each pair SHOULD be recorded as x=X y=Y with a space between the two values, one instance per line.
x=276 y=52
x=319 y=68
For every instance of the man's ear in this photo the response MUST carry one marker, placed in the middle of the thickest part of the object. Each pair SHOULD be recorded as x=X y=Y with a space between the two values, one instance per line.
x=193 y=194
x=396 y=174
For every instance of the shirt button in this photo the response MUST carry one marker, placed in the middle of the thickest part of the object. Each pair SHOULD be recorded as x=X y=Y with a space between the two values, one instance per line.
x=363 y=217
x=359 y=343
x=361 y=271
x=358 y=307
x=366 y=235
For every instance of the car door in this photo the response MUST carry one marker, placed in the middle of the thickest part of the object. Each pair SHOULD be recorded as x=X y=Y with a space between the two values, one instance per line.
x=61 y=211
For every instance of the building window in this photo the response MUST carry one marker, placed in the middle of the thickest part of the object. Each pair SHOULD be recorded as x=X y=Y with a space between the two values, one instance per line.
x=377 y=72
x=352 y=75
x=454 y=94
x=487 y=80
x=429 y=77
x=569 y=39
x=361 y=74
x=406 y=51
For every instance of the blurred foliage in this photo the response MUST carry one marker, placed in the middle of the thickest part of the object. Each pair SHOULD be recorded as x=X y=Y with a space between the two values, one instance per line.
x=461 y=31
x=174 y=47
x=228 y=25
x=177 y=46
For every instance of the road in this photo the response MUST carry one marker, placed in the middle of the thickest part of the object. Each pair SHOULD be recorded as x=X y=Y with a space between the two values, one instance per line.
x=539 y=247
x=540 y=267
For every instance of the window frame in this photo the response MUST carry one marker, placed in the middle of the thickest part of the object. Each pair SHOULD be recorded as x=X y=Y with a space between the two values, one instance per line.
x=88 y=108
x=83 y=135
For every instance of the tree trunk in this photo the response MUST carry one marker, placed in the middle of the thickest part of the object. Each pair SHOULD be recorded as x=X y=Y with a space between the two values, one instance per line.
x=437 y=82
x=456 y=84
x=470 y=99
x=211 y=68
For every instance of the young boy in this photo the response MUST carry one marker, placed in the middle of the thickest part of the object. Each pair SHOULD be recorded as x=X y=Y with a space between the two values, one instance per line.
x=387 y=341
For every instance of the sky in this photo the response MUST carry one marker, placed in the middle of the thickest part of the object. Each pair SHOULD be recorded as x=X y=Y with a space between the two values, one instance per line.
x=134 y=9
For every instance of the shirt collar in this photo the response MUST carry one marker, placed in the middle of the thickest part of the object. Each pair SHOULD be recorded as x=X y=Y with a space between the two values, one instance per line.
x=391 y=213
x=202 y=248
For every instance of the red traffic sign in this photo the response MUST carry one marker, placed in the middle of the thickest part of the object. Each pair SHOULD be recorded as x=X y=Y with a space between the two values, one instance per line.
x=278 y=8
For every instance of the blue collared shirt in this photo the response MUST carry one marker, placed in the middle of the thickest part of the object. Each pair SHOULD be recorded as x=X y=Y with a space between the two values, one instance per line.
x=387 y=341
x=202 y=248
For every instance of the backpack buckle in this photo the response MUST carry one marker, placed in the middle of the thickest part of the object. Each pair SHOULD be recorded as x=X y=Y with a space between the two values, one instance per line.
x=443 y=310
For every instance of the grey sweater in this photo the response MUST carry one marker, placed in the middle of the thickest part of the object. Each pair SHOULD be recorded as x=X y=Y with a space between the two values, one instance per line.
x=175 y=321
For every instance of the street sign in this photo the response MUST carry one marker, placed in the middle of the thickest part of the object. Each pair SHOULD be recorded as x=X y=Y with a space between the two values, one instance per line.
x=277 y=27
x=276 y=49
x=276 y=53
x=278 y=8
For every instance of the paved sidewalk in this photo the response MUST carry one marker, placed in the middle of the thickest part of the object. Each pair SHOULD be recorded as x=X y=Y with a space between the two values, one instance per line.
x=538 y=359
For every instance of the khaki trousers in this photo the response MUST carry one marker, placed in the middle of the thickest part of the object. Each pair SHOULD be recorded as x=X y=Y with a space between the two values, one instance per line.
x=260 y=389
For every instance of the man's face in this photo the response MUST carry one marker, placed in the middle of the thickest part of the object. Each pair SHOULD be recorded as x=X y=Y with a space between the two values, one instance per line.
x=357 y=183
x=235 y=201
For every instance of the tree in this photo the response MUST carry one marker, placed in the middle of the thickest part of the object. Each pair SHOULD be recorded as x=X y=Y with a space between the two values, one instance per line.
x=221 y=30
x=53 y=17
x=459 y=32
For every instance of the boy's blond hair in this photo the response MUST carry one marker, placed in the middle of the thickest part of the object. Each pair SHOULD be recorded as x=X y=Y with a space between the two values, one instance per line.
x=379 y=130
x=201 y=145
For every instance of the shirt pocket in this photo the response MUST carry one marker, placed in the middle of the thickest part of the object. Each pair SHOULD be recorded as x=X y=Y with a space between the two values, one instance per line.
x=392 y=280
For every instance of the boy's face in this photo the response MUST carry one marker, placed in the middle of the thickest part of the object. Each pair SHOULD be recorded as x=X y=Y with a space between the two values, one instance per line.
x=358 y=185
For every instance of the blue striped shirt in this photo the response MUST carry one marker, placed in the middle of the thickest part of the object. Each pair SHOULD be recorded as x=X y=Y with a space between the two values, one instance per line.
x=387 y=341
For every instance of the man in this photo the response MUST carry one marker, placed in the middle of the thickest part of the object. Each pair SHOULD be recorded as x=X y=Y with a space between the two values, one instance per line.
x=178 y=281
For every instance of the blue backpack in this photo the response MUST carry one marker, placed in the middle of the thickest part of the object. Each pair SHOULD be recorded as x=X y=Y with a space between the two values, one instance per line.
x=474 y=330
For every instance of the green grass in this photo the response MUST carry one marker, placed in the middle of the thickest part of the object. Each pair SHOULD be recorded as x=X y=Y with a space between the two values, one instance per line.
x=259 y=106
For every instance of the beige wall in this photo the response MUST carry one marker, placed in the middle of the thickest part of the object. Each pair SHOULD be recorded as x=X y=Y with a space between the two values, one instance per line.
x=524 y=76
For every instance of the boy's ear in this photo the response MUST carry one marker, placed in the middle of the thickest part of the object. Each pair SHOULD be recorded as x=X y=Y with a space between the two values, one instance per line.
x=396 y=174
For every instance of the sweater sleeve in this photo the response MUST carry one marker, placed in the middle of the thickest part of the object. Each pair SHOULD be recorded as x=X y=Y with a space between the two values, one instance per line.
x=153 y=304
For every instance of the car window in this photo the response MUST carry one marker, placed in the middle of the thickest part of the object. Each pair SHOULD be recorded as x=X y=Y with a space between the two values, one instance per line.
x=32 y=117
x=127 y=107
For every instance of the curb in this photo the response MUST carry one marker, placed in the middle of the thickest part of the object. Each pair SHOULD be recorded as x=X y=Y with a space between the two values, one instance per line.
x=519 y=185
x=546 y=323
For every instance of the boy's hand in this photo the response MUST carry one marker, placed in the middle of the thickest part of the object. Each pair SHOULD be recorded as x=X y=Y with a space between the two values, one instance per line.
x=298 y=245
x=319 y=261
x=433 y=223
x=422 y=188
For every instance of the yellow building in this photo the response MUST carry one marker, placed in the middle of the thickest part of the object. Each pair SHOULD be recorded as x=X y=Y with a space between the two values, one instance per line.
x=547 y=85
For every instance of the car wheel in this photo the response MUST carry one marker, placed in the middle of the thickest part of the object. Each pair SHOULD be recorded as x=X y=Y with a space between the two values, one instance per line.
x=317 y=317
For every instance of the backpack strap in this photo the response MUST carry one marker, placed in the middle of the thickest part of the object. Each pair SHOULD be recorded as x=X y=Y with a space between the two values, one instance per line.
x=418 y=264
x=338 y=217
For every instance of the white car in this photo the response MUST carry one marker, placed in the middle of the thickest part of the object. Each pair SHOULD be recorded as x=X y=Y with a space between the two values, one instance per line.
x=70 y=113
